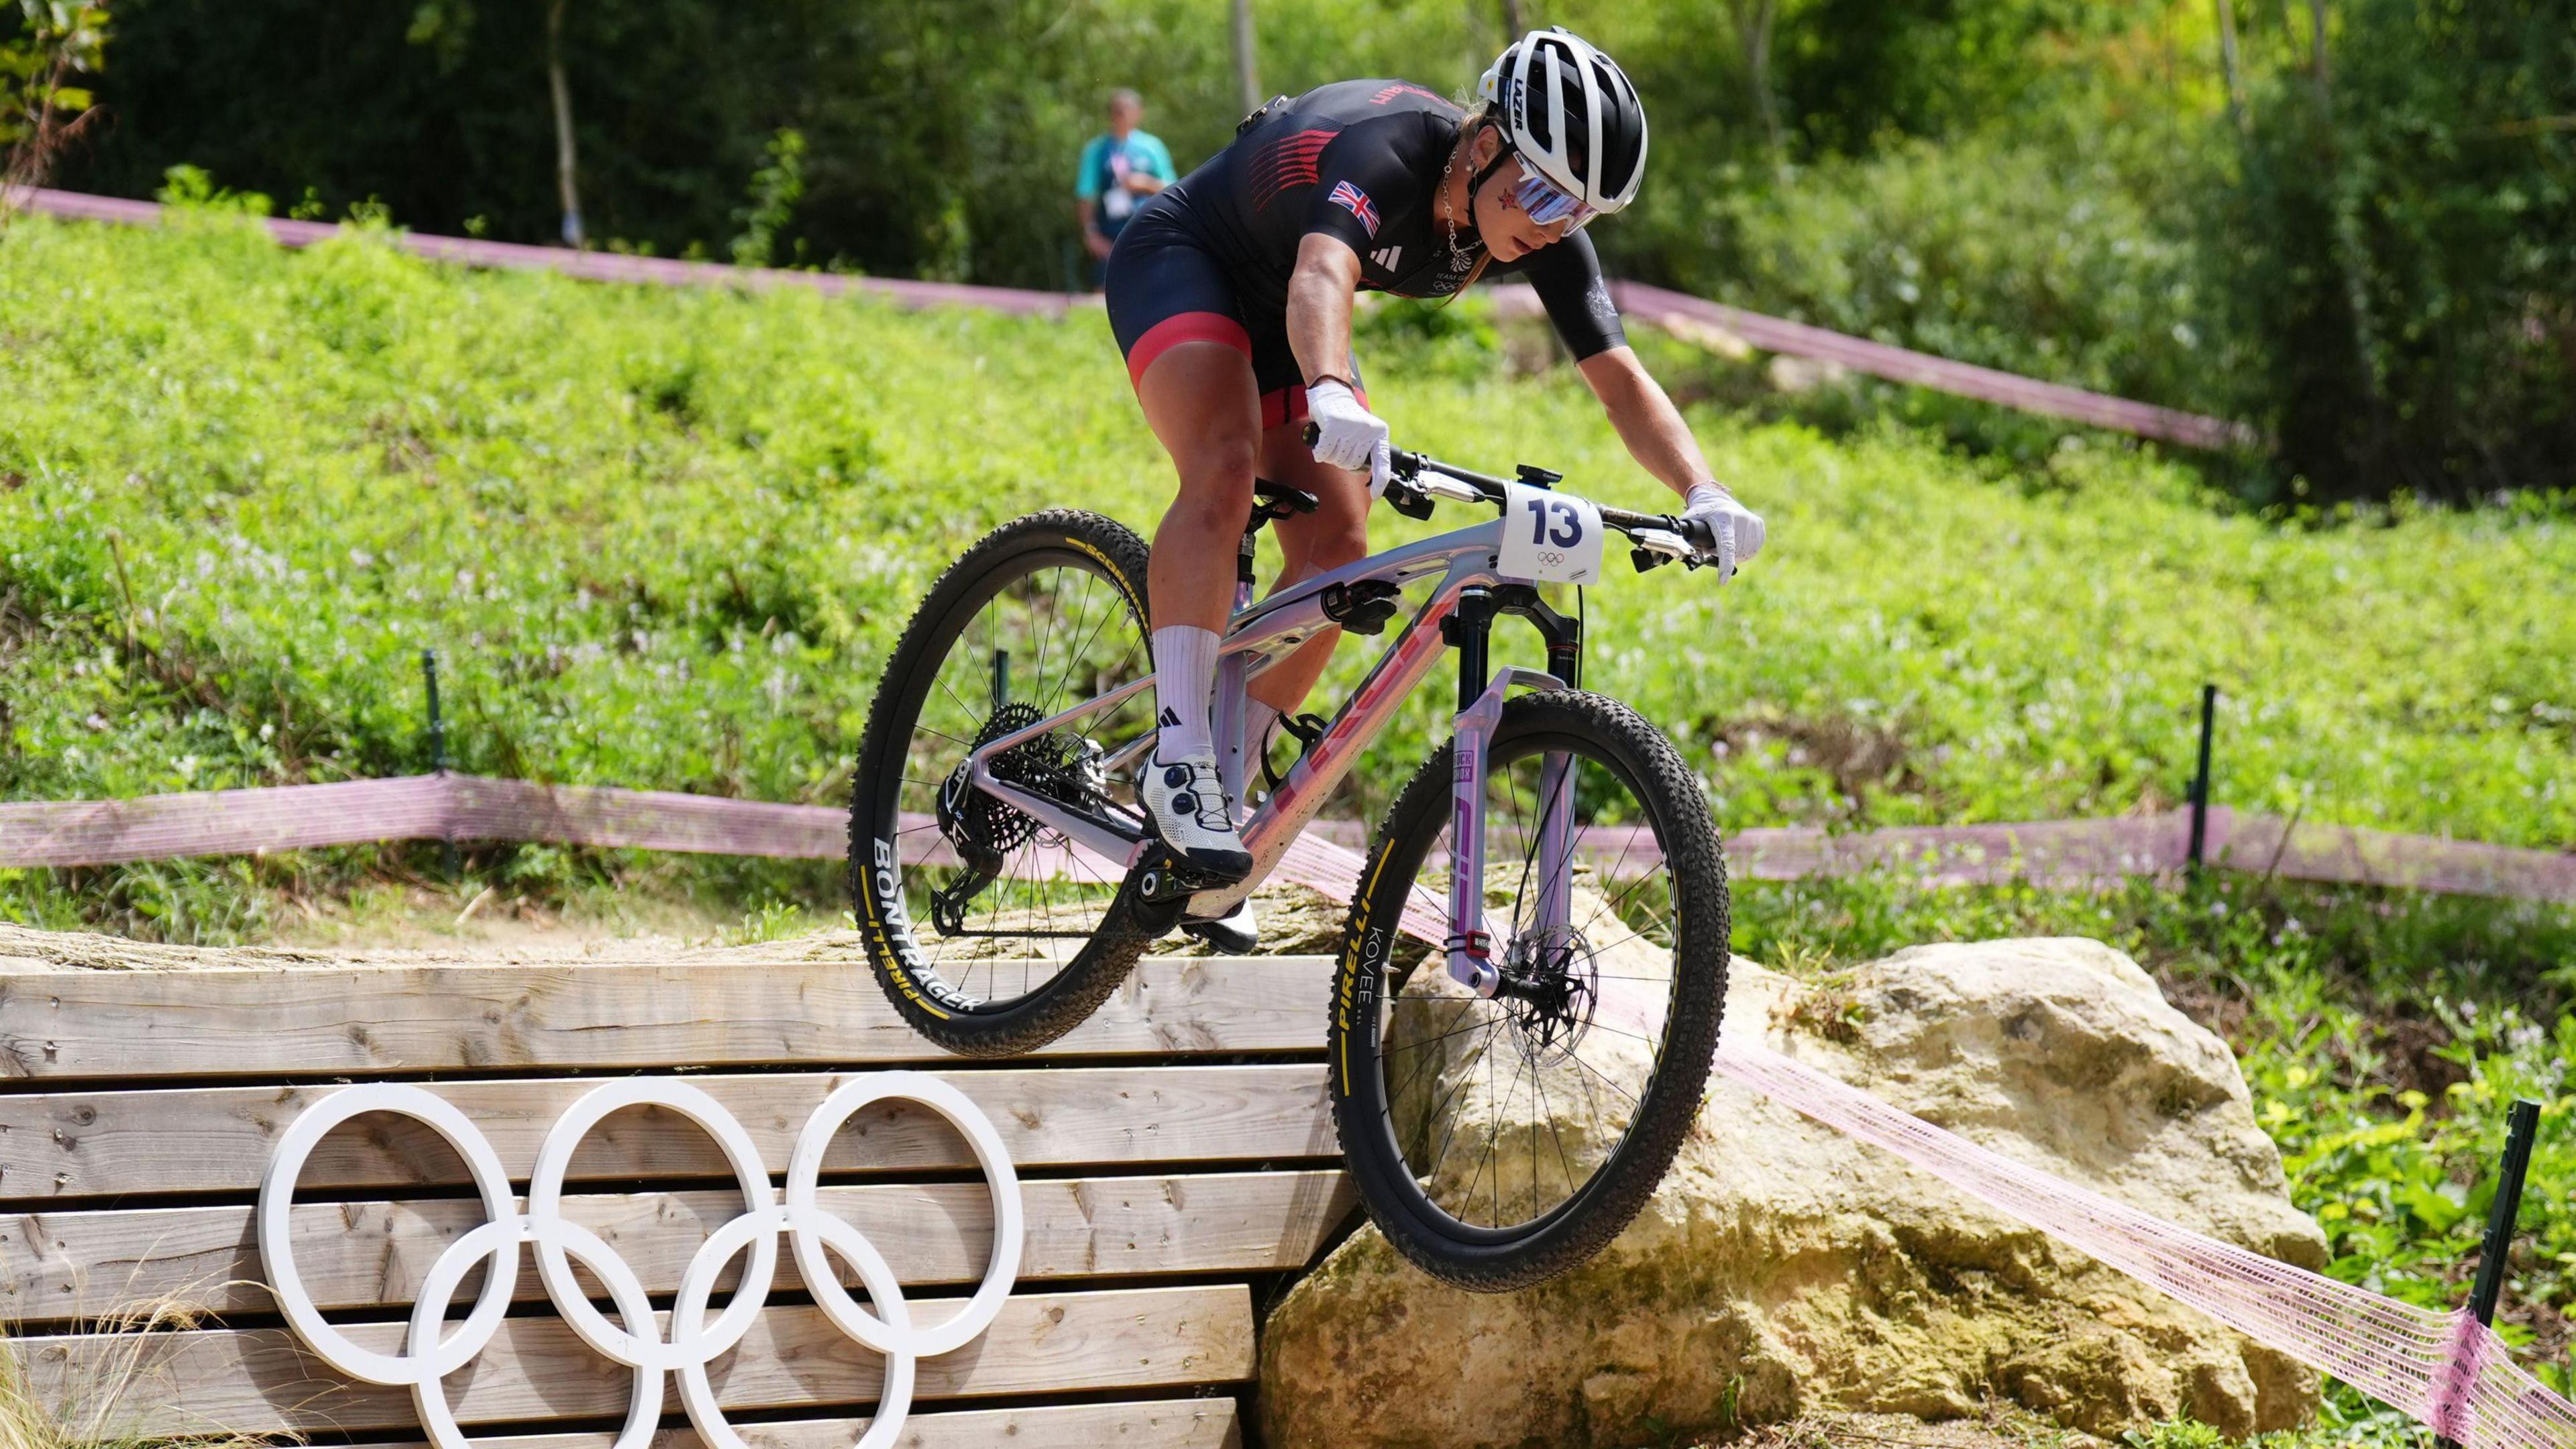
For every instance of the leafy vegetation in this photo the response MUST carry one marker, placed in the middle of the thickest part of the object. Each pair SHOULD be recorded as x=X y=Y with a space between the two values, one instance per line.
x=2346 y=221
x=669 y=545
x=46 y=47
x=663 y=539
x=2403 y=234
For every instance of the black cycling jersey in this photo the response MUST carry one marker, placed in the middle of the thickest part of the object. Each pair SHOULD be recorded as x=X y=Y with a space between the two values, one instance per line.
x=1359 y=160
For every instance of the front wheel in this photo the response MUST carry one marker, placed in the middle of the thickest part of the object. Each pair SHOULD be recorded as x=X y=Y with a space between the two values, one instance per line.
x=1498 y=1142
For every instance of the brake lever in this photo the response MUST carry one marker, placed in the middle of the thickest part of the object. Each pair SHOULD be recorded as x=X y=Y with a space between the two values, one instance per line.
x=1403 y=494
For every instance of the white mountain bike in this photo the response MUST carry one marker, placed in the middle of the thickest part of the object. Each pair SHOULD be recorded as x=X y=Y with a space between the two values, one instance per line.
x=1557 y=846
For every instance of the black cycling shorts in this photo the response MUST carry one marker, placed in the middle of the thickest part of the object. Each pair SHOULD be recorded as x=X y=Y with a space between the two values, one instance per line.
x=1165 y=287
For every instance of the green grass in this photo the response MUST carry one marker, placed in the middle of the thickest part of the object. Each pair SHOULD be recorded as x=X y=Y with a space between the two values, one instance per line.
x=664 y=538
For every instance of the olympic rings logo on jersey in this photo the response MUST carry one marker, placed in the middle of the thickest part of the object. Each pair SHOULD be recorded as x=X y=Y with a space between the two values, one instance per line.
x=694 y=1342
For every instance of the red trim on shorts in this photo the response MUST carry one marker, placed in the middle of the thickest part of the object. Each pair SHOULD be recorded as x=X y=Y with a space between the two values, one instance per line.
x=1288 y=405
x=1183 y=327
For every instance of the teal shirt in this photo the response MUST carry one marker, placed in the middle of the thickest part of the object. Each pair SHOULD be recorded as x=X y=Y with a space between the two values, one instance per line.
x=1107 y=162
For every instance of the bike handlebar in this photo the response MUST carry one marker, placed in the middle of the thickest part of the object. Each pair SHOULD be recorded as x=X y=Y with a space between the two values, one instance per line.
x=1659 y=537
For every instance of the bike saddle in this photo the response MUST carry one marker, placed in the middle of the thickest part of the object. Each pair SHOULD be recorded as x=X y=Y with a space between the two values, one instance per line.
x=1278 y=500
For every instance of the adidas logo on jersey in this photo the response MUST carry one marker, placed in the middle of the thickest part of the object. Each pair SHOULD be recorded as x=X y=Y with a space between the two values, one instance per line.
x=1385 y=257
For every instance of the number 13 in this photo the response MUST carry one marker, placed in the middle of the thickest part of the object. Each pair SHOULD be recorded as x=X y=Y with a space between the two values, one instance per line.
x=1569 y=529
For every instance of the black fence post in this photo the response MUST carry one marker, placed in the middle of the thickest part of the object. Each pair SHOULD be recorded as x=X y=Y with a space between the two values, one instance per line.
x=437 y=745
x=2200 y=779
x=2522 y=1124
x=437 y=726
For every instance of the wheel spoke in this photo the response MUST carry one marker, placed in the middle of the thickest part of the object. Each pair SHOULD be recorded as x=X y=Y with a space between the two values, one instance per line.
x=1548 y=1016
x=1028 y=639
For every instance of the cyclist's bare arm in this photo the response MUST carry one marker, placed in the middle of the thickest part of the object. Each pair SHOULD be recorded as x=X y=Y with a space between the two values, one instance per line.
x=1319 y=305
x=1646 y=419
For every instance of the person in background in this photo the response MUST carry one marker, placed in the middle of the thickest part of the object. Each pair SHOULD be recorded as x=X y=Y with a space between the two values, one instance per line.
x=1120 y=169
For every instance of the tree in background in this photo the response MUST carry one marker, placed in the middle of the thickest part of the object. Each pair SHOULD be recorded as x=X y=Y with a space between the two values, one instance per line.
x=567 y=151
x=771 y=200
x=41 y=111
x=2403 y=240
x=2369 y=253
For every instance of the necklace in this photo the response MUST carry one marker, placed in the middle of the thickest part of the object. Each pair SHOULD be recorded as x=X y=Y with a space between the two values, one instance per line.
x=1449 y=209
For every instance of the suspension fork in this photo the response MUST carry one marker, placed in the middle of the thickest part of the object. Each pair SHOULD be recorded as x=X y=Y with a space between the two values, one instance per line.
x=1481 y=693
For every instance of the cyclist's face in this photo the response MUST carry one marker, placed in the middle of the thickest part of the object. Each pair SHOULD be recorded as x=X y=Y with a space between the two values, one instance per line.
x=1508 y=231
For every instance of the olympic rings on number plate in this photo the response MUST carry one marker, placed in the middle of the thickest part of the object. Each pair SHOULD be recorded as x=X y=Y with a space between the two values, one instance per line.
x=432 y=1350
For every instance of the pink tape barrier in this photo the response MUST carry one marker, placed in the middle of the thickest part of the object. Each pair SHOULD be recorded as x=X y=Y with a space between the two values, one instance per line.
x=590 y=266
x=2446 y=1369
x=465 y=807
x=1879 y=359
x=418 y=807
x=1676 y=311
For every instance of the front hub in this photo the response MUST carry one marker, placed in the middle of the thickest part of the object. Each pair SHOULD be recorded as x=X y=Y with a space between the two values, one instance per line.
x=1550 y=984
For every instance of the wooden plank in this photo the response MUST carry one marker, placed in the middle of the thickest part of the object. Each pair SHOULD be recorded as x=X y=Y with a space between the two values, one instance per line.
x=1169 y=1424
x=375 y=1021
x=86 y=1265
x=259 y=1381
x=217 y=1139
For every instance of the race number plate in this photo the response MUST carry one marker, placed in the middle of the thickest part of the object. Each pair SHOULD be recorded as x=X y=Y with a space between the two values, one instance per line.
x=1549 y=538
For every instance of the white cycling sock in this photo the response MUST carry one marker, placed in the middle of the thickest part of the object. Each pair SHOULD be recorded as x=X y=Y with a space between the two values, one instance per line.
x=1184 y=666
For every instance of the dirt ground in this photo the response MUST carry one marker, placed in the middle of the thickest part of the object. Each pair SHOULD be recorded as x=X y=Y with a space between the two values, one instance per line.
x=2000 y=1429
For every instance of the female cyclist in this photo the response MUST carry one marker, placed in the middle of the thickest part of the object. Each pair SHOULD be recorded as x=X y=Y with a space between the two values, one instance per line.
x=1230 y=294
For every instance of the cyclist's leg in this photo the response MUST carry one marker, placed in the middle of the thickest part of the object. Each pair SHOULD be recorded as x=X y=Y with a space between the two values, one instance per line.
x=1190 y=360
x=1334 y=534
x=1199 y=400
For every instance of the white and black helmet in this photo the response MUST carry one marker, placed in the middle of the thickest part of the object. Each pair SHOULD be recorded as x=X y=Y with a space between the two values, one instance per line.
x=1571 y=113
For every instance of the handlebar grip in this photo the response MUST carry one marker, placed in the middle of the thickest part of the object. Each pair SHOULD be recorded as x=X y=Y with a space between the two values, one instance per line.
x=1400 y=462
x=1699 y=532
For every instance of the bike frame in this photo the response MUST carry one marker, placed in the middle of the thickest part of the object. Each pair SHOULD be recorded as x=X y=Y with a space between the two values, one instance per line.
x=1458 y=614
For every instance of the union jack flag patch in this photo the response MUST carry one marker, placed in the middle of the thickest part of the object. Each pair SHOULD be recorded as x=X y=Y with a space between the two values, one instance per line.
x=1350 y=198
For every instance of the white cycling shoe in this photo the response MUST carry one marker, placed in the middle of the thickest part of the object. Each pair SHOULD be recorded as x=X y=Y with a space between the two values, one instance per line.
x=1188 y=806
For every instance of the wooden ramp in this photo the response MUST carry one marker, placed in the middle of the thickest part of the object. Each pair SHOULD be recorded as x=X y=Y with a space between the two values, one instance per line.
x=1169 y=1150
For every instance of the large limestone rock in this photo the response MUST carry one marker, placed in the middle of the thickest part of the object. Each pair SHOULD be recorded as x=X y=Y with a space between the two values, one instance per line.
x=1783 y=1268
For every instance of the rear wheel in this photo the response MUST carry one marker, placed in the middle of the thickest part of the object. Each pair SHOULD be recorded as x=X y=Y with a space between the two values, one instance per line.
x=1498 y=1142
x=991 y=933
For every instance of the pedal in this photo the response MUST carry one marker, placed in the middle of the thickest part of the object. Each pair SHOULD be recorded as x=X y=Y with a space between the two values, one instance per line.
x=1363 y=607
x=1235 y=933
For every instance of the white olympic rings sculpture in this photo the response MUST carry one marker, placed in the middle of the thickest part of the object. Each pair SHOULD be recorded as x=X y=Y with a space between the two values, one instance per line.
x=560 y=1242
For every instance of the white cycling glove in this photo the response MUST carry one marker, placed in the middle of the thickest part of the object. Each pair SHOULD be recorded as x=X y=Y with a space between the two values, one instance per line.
x=1738 y=529
x=1347 y=434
